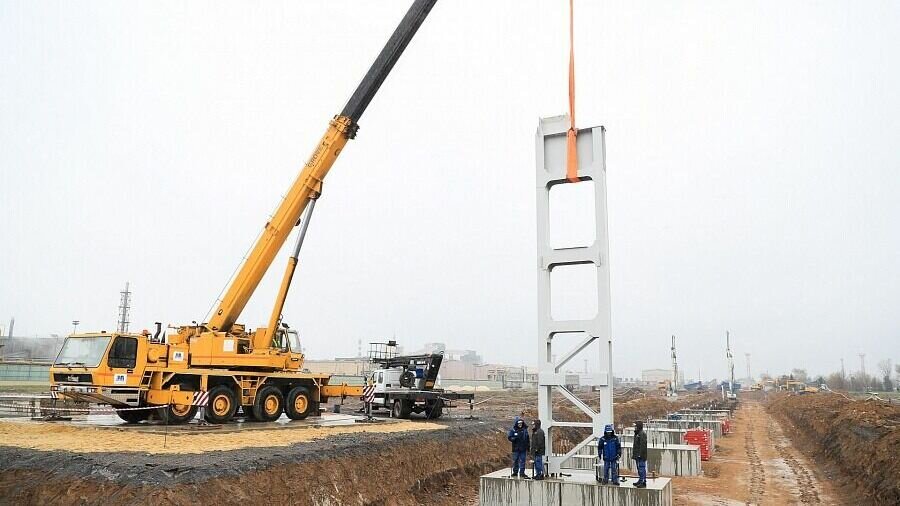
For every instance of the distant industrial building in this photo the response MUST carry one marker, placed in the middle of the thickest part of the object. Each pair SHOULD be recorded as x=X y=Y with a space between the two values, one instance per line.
x=654 y=376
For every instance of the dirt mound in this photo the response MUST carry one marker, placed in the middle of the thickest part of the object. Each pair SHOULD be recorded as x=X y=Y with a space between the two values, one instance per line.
x=860 y=438
x=88 y=439
x=420 y=467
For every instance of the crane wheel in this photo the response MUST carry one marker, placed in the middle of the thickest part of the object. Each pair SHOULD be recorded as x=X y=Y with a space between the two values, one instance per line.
x=434 y=409
x=268 y=404
x=299 y=403
x=134 y=416
x=221 y=406
x=401 y=408
x=177 y=413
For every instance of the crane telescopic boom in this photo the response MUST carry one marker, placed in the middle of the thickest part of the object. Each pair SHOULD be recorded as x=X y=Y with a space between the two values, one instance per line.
x=309 y=182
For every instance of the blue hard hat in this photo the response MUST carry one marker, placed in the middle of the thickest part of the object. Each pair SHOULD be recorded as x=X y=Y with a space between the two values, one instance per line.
x=608 y=428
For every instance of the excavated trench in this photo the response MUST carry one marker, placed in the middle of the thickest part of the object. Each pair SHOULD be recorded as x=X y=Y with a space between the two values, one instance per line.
x=421 y=467
x=858 y=440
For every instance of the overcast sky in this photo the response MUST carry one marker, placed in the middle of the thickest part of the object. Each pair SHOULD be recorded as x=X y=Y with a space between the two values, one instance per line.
x=753 y=170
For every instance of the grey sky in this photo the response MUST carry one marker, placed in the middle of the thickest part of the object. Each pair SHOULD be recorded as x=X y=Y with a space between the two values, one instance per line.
x=753 y=170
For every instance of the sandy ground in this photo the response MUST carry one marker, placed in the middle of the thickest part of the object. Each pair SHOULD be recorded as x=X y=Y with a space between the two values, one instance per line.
x=85 y=439
x=756 y=464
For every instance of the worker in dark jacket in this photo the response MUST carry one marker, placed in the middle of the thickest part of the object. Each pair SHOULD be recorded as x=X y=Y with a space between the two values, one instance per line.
x=538 y=448
x=518 y=436
x=639 y=454
x=610 y=450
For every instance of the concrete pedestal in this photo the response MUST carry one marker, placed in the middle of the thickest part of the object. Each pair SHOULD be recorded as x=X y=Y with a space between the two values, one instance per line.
x=713 y=425
x=581 y=488
x=715 y=415
x=665 y=460
x=656 y=436
x=700 y=416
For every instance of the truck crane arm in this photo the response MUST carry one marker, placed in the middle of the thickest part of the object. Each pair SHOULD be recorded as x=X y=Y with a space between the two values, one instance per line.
x=309 y=182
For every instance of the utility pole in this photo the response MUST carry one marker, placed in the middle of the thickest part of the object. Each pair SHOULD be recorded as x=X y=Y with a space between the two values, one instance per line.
x=124 y=309
x=747 y=355
x=75 y=325
x=862 y=370
x=674 y=388
x=843 y=374
x=730 y=362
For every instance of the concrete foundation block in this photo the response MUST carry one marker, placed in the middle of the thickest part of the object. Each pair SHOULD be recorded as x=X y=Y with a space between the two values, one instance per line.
x=671 y=460
x=666 y=460
x=701 y=416
x=656 y=436
x=581 y=488
x=713 y=425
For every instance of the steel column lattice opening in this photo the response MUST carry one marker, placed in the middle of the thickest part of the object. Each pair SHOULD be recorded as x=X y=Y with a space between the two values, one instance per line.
x=592 y=334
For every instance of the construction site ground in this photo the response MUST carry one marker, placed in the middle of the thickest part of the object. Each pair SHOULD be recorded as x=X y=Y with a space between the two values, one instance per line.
x=757 y=464
x=390 y=462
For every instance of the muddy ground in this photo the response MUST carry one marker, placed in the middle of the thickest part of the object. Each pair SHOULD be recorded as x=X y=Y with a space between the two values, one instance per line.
x=436 y=465
x=758 y=463
x=855 y=441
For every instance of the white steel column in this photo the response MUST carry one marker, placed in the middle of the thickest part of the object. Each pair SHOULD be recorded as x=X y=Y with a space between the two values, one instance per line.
x=594 y=333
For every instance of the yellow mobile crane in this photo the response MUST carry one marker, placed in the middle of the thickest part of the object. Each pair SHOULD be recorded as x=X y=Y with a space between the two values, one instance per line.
x=221 y=364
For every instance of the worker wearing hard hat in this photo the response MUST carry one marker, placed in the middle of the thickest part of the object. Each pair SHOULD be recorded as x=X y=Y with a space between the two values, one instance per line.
x=518 y=436
x=610 y=450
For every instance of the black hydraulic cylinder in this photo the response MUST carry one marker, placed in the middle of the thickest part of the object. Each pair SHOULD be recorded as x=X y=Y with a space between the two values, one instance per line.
x=386 y=59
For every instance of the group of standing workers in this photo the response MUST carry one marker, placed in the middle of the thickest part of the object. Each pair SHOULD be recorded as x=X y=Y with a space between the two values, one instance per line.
x=522 y=444
x=609 y=448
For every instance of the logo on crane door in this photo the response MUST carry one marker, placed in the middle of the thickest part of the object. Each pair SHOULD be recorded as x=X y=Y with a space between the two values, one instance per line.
x=178 y=356
x=228 y=345
x=120 y=379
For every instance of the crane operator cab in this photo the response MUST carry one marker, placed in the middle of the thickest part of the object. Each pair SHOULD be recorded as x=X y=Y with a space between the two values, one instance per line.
x=101 y=367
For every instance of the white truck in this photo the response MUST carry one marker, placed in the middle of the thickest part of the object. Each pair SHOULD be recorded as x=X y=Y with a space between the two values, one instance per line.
x=405 y=384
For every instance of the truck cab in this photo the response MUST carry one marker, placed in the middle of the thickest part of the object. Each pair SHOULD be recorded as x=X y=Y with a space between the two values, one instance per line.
x=103 y=367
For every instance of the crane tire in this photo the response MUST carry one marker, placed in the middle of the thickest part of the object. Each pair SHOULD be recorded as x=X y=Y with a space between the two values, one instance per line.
x=401 y=408
x=133 y=416
x=178 y=413
x=221 y=406
x=299 y=403
x=434 y=409
x=268 y=404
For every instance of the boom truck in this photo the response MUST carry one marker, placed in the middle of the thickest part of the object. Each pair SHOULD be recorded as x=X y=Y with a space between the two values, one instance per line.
x=221 y=364
x=405 y=384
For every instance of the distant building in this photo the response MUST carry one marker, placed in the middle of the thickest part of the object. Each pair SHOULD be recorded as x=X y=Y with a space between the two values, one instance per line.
x=654 y=376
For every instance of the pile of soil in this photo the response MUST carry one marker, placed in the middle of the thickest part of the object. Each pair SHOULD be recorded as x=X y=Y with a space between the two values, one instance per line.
x=90 y=439
x=860 y=438
x=417 y=467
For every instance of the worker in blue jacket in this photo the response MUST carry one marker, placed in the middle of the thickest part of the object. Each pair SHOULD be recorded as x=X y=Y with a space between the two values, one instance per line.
x=518 y=436
x=610 y=449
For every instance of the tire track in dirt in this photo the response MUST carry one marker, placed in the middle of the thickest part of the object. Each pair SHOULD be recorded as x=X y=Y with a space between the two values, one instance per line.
x=757 y=481
x=806 y=484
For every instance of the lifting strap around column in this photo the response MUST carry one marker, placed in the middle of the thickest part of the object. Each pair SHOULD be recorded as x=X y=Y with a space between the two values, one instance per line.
x=572 y=133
